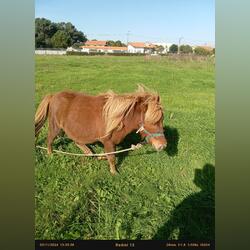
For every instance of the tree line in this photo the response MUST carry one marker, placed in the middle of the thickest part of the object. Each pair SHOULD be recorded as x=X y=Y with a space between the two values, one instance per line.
x=56 y=35
x=187 y=49
x=61 y=35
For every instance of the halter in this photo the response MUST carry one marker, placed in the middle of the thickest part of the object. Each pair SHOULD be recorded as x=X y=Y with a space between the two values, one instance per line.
x=148 y=134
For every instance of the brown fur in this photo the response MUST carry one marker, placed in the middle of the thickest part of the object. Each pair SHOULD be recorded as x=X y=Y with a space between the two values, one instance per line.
x=107 y=118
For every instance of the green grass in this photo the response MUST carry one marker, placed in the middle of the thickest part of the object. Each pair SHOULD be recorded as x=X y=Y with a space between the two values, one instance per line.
x=156 y=195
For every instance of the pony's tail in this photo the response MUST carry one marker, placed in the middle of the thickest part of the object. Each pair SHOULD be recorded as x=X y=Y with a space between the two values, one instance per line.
x=42 y=113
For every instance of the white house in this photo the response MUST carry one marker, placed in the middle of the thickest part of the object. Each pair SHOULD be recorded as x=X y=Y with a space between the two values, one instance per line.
x=73 y=49
x=140 y=47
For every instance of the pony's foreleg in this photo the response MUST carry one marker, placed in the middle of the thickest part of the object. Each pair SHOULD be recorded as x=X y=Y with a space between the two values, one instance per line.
x=110 y=147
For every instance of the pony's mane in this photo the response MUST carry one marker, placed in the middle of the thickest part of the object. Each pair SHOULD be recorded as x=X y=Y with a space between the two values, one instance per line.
x=118 y=106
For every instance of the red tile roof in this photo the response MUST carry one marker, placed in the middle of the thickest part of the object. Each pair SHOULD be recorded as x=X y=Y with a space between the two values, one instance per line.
x=141 y=45
x=105 y=47
x=96 y=43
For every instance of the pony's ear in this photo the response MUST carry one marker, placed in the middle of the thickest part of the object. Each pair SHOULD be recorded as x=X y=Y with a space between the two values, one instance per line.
x=140 y=88
x=143 y=105
x=158 y=99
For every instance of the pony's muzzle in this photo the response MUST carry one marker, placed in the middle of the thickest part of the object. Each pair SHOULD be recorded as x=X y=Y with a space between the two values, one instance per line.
x=161 y=147
x=159 y=144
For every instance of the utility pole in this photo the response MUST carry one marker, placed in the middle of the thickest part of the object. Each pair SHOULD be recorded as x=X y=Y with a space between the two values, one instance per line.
x=179 y=44
x=128 y=33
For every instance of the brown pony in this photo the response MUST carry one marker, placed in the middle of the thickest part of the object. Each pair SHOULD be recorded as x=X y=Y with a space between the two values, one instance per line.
x=107 y=118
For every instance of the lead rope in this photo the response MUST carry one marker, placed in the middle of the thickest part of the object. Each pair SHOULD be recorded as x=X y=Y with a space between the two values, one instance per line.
x=133 y=147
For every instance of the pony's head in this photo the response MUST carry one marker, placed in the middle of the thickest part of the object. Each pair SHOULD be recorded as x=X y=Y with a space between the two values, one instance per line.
x=142 y=109
x=151 y=122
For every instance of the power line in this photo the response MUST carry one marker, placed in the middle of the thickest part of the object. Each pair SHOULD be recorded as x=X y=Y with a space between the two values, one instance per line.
x=128 y=33
x=179 y=44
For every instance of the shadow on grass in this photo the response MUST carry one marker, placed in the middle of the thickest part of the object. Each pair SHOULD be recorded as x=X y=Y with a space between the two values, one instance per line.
x=193 y=218
x=172 y=136
x=130 y=139
x=60 y=141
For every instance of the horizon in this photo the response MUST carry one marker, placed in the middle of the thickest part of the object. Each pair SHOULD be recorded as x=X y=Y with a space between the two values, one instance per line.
x=166 y=21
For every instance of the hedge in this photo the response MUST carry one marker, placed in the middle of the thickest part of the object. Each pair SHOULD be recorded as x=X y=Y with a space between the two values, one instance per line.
x=76 y=53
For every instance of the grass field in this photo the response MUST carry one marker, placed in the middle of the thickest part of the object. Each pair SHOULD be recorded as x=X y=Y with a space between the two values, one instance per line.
x=157 y=195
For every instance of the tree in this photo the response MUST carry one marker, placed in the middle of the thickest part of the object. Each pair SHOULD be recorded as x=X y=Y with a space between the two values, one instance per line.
x=110 y=43
x=45 y=30
x=159 y=48
x=120 y=44
x=61 y=39
x=77 y=45
x=117 y=43
x=173 y=48
x=186 y=49
x=75 y=35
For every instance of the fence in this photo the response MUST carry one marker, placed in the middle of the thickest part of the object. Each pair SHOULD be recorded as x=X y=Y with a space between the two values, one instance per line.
x=50 y=51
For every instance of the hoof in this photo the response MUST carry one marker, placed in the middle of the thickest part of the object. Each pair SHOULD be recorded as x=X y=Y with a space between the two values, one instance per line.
x=113 y=172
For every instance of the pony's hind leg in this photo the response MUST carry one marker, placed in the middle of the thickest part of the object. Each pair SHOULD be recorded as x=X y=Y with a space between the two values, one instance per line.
x=54 y=130
x=87 y=150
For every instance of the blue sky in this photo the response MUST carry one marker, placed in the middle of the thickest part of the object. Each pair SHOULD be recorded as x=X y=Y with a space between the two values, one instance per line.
x=146 y=20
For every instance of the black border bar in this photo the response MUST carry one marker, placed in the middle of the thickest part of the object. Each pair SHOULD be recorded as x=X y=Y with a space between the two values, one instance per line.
x=124 y=244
